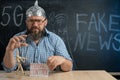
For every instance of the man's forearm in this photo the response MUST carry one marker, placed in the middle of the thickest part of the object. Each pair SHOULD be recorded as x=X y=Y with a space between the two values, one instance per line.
x=9 y=60
x=67 y=65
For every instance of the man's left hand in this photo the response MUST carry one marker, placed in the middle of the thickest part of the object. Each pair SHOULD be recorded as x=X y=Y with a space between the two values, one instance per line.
x=54 y=61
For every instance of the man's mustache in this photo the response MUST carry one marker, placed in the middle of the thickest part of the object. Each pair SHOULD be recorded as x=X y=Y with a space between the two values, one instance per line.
x=34 y=36
x=34 y=27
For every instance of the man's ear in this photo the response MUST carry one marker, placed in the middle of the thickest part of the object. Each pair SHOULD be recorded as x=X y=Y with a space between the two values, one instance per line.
x=46 y=22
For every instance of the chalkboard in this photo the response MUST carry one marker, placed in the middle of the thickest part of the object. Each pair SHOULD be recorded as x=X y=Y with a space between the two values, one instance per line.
x=89 y=28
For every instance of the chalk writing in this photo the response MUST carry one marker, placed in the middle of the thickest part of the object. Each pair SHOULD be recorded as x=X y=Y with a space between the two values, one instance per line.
x=7 y=16
x=4 y=13
x=20 y=16
x=96 y=28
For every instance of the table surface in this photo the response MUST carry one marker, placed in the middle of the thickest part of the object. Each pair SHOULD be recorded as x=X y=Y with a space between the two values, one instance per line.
x=72 y=75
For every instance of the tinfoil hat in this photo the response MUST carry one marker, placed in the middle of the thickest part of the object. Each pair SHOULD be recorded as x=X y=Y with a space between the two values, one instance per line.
x=35 y=10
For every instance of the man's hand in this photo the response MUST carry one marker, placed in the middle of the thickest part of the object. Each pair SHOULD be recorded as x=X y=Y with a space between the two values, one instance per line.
x=16 y=42
x=54 y=61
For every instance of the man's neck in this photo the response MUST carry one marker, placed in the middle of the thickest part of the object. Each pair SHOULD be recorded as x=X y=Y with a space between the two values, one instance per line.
x=36 y=42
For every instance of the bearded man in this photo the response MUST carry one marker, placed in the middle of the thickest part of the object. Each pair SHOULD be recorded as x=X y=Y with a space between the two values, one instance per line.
x=37 y=44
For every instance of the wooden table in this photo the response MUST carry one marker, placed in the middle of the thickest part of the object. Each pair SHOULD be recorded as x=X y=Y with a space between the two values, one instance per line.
x=72 y=75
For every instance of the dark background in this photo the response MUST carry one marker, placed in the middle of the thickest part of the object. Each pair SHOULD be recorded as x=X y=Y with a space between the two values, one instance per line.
x=89 y=28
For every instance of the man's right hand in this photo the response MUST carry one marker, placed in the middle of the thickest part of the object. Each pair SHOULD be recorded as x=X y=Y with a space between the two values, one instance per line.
x=16 y=42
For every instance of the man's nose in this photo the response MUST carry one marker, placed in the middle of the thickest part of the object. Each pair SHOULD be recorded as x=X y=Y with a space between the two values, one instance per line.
x=35 y=23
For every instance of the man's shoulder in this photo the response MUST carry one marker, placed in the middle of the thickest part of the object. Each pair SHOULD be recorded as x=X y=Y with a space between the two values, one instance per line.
x=53 y=35
x=53 y=38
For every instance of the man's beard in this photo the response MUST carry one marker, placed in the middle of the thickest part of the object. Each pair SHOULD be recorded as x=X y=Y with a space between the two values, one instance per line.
x=35 y=35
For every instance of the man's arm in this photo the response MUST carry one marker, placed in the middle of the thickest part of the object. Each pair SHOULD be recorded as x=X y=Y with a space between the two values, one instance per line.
x=67 y=65
x=54 y=61
x=8 y=59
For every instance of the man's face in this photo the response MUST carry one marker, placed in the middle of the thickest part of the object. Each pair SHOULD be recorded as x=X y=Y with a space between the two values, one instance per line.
x=36 y=24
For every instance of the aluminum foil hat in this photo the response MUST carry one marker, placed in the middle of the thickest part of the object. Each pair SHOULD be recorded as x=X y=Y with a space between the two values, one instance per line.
x=35 y=10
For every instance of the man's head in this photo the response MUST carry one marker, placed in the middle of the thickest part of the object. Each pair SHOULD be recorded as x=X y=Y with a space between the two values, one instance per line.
x=36 y=21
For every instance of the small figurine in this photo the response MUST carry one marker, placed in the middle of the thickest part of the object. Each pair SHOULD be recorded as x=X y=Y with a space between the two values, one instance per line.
x=20 y=59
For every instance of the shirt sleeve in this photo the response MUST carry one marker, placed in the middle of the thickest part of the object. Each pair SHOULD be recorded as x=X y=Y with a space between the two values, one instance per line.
x=9 y=69
x=61 y=50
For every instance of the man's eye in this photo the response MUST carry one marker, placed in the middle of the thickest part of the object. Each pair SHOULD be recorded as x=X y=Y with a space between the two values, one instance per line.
x=31 y=20
x=38 y=20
